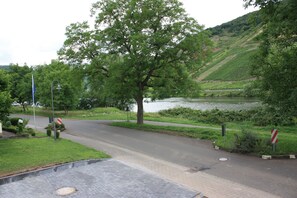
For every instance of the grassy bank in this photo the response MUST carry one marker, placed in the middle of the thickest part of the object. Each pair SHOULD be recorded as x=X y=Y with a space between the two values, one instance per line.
x=287 y=140
x=17 y=155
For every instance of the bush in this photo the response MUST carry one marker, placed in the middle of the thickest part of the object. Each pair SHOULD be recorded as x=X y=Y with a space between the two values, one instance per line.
x=12 y=129
x=60 y=127
x=270 y=116
x=48 y=132
x=213 y=116
x=247 y=142
x=7 y=124
x=14 y=121
x=57 y=135
x=30 y=131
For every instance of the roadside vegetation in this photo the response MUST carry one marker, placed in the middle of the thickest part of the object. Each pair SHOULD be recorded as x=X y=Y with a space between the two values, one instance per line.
x=254 y=126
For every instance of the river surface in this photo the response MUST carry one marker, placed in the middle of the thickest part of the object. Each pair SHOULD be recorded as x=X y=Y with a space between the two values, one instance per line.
x=200 y=104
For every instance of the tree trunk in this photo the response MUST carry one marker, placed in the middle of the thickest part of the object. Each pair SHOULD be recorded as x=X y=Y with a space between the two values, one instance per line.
x=24 y=107
x=139 y=101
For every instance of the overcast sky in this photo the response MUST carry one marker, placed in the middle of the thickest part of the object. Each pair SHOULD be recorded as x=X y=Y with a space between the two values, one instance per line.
x=33 y=30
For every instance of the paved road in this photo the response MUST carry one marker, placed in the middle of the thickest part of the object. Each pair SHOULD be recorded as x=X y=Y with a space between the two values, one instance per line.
x=278 y=177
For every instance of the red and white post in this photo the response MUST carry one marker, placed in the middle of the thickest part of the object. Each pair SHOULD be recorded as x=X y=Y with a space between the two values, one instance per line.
x=274 y=138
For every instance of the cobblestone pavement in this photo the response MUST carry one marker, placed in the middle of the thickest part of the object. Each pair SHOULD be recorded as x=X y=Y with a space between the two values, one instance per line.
x=106 y=179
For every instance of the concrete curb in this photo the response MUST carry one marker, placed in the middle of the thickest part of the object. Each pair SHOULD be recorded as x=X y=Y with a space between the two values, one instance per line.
x=278 y=157
x=55 y=168
x=266 y=157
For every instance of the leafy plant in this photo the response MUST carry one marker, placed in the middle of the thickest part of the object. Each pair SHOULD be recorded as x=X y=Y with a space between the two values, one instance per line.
x=48 y=132
x=60 y=127
x=57 y=134
x=7 y=123
x=247 y=142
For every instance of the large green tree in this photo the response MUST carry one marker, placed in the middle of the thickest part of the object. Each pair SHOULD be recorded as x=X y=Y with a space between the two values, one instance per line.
x=5 y=99
x=55 y=74
x=21 y=84
x=139 y=47
x=276 y=63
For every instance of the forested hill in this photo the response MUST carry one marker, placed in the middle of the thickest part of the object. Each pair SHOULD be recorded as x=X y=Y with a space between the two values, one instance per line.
x=4 y=67
x=238 y=26
x=234 y=44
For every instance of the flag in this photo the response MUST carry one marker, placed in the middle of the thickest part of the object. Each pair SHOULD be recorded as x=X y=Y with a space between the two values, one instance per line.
x=33 y=90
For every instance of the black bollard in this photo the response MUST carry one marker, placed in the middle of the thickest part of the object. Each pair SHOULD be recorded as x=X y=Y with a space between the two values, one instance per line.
x=223 y=129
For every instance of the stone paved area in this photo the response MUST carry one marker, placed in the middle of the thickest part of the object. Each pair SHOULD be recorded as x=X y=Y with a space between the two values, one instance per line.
x=106 y=179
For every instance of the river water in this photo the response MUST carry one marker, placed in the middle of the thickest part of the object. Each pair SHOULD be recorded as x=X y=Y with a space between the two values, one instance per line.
x=200 y=104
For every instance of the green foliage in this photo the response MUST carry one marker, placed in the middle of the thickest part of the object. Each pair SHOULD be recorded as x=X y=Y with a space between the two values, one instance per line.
x=237 y=68
x=270 y=116
x=58 y=126
x=137 y=48
x=51 y=75
x=13 y=129
x=14 y=121
x=5 y=98
x=265 y=116
x=30 y=131
x=48 y=132
x=275 y=63
x=247 y=142
x=238 y=26
x=57 y=134
x=7 y=123
x=212 y=116
x=21 y=84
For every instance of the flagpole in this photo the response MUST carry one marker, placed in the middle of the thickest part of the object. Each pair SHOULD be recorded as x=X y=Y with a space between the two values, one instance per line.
x=33 y=98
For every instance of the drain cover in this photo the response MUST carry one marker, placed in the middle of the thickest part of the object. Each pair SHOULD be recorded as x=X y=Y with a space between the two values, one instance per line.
x=65 y=191
x=222 y=159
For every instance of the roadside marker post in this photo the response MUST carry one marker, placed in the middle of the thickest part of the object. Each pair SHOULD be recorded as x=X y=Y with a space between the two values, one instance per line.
x=274 y=138
x=59 y=121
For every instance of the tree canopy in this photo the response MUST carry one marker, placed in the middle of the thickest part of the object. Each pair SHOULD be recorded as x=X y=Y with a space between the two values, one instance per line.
x=275 y=65
x=5 y=99
x=58 y=73
x=21 y=84
x=139 y=47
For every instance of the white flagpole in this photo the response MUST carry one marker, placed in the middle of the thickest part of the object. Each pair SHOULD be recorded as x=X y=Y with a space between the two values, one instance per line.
x=33 y=98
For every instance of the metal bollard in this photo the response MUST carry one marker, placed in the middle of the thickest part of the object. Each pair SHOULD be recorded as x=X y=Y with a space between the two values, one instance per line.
x=223 y=129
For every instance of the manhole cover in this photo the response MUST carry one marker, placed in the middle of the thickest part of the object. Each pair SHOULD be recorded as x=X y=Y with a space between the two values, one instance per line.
x=65 y=191
x=223 y=159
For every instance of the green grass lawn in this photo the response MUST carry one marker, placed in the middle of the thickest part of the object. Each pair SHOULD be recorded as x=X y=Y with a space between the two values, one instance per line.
x=17 y=155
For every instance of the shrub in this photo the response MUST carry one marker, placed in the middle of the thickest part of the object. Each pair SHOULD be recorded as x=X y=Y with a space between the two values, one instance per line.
x=60 y=127
x=247 y=142
x=48 y=132
x=7 y=123
x=14 y=121
x=20 y=128
x=30 y=131
x=57 y=135
x=270 y=116
x=12 y=129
